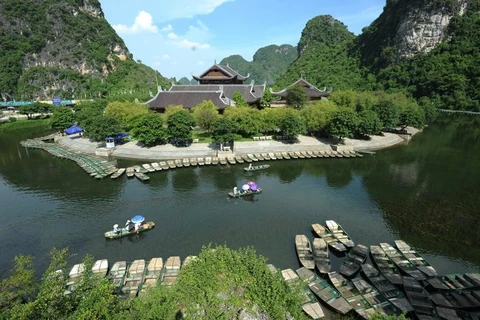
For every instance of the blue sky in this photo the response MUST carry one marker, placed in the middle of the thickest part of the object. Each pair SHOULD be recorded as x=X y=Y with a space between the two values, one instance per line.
x=181 y=37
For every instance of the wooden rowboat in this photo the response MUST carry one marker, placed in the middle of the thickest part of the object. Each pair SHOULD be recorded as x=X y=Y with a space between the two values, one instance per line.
x=339 y=233
x=244 y=194
x=326 y=235
x=324 y=291
x=321 y=255
x=124 y=232
x=354 y=260
x=386 y=287
x=255 y=168
x=304 y=251
x=415 y=258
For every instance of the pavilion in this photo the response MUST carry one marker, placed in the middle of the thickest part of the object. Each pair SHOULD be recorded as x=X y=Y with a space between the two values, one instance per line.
x=312 y=93
x=218 y=84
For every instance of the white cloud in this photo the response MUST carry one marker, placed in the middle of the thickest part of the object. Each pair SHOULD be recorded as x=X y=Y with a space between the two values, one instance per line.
x=143 y=23
x=188 y=8
x=172 y=35
x=167 y=28
x=165 y=57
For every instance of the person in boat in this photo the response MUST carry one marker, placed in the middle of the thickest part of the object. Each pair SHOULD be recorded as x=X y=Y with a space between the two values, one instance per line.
x=138 y=226
x=129 y=226
x=116 y=229
x=235 y=191
x=250 y=166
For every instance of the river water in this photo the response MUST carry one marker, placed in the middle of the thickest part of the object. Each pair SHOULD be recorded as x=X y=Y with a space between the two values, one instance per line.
x=426 y=193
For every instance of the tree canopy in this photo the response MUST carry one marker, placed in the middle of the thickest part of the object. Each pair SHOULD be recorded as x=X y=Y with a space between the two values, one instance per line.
x=149 y=129
x=205 y=114
x=180 y=126
x=62 y=118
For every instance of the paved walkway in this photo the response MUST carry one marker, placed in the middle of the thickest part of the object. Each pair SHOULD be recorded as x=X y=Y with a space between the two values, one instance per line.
x=132 y=150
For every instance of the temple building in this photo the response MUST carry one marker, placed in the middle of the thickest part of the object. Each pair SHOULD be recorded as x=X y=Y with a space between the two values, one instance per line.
x=312 y=93
x=218 y=84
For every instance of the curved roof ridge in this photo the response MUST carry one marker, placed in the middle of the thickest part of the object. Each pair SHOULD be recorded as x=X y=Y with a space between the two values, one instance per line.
x=159 y=89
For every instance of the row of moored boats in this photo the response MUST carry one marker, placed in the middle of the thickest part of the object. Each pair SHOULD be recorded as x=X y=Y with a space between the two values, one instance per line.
x=399 y=281
x=133 y=278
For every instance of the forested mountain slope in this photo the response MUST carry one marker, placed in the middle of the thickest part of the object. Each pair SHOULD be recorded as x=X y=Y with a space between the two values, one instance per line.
x=65 y=48
x=268 y=63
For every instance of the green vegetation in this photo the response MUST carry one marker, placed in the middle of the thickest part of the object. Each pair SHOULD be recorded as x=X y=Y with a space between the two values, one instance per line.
x=149 y=129
x=62 y=118
x=218 y=284
x=44 y=45
x=37 y=125
x=296 y=97
x=324 y=58
x=180 y=126
x=223 y=130
x=267 y=65
x=205 y=114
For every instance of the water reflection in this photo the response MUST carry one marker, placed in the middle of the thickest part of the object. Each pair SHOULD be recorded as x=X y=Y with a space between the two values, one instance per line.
x=424 y=192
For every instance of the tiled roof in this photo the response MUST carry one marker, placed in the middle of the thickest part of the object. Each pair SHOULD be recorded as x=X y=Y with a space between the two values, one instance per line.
x=310 y=90
x=188 y=99
x=226 y=69
x=251 y=93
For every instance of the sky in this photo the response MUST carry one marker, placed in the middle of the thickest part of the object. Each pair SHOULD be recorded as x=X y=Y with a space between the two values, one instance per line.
x=184 y=37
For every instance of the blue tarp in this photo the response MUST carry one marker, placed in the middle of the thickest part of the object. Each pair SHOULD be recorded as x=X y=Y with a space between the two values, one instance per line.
x=73 y=129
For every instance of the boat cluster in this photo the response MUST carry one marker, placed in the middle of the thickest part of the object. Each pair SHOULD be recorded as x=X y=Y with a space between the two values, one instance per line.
x=94 y=166
x=132 y=278
x=399 y=281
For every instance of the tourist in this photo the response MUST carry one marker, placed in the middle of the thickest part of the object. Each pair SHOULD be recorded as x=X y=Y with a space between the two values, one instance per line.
x=137 y=226
x=235 y=192
x=129 y=226
x=116 y=229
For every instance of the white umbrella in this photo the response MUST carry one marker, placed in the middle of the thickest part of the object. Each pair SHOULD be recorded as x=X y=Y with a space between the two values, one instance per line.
x=245 y=187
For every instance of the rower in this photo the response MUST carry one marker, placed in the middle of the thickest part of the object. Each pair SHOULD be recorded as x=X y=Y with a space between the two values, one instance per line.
x=116 y=229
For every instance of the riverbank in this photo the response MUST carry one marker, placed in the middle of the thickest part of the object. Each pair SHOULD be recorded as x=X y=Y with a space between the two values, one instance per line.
x=133 y=150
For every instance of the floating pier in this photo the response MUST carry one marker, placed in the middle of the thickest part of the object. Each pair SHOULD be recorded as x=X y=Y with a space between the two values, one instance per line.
x=100 y=168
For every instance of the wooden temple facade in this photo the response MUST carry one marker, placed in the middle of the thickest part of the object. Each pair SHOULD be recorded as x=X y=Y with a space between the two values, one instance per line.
x=312 y=93
x=218 y=84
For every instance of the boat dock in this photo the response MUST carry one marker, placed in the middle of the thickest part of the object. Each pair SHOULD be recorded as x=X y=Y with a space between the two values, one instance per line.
x=95 y=166
x=99 y=168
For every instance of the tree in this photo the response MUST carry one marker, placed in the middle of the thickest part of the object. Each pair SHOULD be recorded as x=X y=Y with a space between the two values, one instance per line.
x=292 y=124
x=246 y=119
x=344 y=123
x=171 y=109
x=369 y=123
x=239 y=99
x=223 y=130
x=20 y=285
x=124 y=112
x=296 y=97
x=27 y=110
x=180 y=126
x=87 y=111
x=101 y=127
x=270 y=119
x=266 y=99
x=62 y=118
x=205 y=114
x=317 y=116
x=388 y=113
x=149 y=129
x=412 y=116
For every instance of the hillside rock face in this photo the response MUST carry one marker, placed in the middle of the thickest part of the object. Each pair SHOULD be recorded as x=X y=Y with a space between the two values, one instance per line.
x=61 y=47
x=422 y=29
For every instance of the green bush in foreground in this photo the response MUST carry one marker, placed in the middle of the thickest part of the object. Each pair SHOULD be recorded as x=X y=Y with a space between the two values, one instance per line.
x=219 y=284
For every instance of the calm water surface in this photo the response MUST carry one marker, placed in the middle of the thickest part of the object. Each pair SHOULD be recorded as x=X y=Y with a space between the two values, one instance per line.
x=426 y=193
